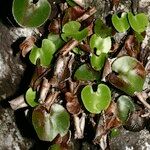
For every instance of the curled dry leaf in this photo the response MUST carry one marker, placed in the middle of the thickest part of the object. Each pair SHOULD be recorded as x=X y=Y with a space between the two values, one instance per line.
x=73 y=106
x=72 y=13
x=27 y=45
x=131 y=46
x=55 y=26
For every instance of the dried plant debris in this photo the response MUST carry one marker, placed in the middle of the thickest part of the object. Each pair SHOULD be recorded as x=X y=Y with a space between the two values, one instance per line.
x=78 y=68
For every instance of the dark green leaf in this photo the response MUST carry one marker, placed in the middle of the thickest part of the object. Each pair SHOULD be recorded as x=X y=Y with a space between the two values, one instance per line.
x=101 y=29
x=55 y=147
x=125 y=107
x=71 y=3
x=138 y=22
x=120 y=24
x=49 y=125
x=85 y=73
x=28 y=14
x=97 y=101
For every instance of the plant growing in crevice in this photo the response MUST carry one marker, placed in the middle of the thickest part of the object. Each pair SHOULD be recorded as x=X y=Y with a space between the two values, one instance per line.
x=76 y=56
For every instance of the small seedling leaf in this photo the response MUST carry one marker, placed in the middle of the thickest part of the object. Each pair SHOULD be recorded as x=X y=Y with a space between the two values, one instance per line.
x=31 y=97
x=101 y=29
x=138 y=22
x=97 y=101
x=44 y=54
x=85 y=73
x=125 y=106
x=97 y=62
x=121 y=24
x=102 y=45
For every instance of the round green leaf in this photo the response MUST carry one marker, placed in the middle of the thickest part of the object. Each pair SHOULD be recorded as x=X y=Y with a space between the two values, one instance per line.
x=120 y=24
x=28 y=14
x=98 y=62
x=44 y=54
x=85 y=73
x=49 y=125
x=102 y=45
x=97 y=101
x=138 y=22
x=131 y=72
x=125 y=106
x=30 y=97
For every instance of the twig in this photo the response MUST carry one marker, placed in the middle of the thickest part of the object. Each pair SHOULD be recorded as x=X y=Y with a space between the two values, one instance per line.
x=18 y=103
x=87 y=14
x=142 y=99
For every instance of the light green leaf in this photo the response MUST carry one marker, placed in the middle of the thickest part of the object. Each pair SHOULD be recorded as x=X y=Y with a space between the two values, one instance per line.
x=125 y=106
x=97 y=62
x=28 y=14
x=97 y=101
x=138 y=22
x=71 y=30
x=49 y=124
x=120 y=24
x=102 y=45
x=44 y=54
x=31 y=97
x=85 y=73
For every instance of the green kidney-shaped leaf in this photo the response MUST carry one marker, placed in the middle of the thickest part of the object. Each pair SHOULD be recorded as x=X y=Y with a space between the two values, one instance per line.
x=125 y=106
x=85 y=73
x=97 y=62
x=44 y=54
x=130 y=72
x=71 y=30
x=28 y=14
x=30 y=97
x=97 y=101
x=120 y=24
x=138 y=22
x=101 y=29
x=49 y=125
x=102 y=45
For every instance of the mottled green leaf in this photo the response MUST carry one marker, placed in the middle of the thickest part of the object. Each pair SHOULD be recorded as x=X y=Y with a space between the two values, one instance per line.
x=49 y=124
x=102 y=45
x=125 y=106
x=44 y=54
x=121 y=24
x=31 y=97
x=28 y=14
x=85 y=73
x=131 y=72
x=97 y=101
x=138 y=22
